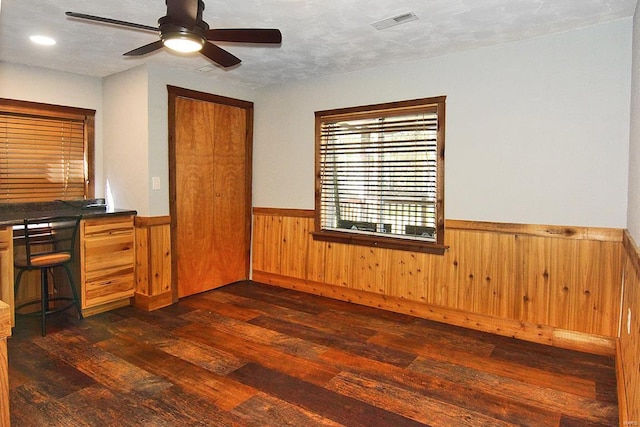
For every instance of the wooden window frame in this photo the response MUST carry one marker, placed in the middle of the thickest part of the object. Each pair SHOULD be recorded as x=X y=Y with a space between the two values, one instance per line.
x=51 y=111
x=376 y=239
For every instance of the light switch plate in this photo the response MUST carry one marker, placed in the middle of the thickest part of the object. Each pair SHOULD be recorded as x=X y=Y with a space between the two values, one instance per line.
x=155 y=183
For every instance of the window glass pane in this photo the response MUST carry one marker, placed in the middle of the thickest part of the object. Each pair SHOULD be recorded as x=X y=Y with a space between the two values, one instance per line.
x=379 y=175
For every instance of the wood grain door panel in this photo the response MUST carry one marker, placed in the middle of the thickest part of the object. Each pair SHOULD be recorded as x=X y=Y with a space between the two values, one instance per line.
x=229 y=204
x=211 y=179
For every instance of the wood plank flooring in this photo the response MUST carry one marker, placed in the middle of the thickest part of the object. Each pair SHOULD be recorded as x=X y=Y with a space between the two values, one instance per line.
x=254 y=355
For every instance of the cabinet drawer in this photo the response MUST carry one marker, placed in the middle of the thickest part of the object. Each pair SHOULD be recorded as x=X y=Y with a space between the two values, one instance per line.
x=107 y=244
x=107 y=226
x=107 y=273
x=107 y=260
x=103 y=291
x=108 y=252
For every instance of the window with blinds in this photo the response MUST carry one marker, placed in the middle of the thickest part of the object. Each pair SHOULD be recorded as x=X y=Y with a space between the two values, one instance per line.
x=44 y=152
x=380 y=174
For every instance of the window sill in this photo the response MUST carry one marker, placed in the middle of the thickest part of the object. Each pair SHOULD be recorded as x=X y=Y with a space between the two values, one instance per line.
x=380 y=242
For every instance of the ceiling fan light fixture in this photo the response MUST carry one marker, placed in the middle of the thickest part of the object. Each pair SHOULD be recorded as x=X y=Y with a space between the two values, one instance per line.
x=183 y=42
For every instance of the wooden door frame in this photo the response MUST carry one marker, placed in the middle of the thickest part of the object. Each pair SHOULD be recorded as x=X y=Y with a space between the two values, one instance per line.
x=178 y=92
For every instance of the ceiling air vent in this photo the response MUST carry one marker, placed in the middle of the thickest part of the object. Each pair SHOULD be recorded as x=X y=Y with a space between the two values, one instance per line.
x=395 y=20
x=206 y=68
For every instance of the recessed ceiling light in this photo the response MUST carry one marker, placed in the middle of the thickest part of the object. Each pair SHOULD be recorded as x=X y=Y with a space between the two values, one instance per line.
x=42 y=40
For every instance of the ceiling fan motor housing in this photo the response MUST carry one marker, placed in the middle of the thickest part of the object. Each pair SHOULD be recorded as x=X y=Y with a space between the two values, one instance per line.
x=183 y=31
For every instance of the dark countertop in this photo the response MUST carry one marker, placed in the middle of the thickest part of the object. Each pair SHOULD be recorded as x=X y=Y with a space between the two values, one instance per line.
x=15 y=213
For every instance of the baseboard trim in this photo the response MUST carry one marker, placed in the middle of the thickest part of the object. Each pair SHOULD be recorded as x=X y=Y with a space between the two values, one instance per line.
x=154 y=302
x=622 y=390
x=541 y=334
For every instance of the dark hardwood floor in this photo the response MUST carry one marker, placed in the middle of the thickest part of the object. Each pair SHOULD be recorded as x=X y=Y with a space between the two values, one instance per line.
x=255 y=355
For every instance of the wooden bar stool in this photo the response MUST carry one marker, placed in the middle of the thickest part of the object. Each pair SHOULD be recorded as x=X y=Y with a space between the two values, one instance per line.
x=48 y=243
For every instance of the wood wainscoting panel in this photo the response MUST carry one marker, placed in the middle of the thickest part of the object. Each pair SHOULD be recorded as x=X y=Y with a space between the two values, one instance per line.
x=566 y=279
x=295 y=244
x=267 y=240
x=628 y=355
x=572 y=284
x=153 y=262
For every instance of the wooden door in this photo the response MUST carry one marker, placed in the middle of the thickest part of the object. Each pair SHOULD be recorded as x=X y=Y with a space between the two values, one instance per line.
x=210 y=163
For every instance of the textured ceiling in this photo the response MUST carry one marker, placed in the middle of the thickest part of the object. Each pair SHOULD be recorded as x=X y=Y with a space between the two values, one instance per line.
x=320 y=37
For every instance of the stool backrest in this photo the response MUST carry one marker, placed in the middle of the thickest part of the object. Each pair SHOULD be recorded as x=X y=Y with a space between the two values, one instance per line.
x=44 y=236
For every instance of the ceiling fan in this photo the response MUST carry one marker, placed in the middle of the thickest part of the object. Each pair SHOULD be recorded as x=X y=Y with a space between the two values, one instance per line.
x=184 y=30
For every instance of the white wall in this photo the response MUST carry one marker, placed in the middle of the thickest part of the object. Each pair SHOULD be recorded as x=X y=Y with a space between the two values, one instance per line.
x=136 y=132
x=126 y=139
x=158 y=155
x=53 y=87
x=633 y=212
x=537 y=131
x=131 y=123
x=136 y=135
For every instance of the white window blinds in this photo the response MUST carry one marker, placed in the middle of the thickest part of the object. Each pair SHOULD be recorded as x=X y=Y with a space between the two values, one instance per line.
x=378 y=173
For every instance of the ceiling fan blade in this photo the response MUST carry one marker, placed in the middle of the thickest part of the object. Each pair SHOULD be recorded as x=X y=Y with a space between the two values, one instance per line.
x=184 y=12
x=111 y=21
x=219 y=55
x=147 y=48
x=245 y=35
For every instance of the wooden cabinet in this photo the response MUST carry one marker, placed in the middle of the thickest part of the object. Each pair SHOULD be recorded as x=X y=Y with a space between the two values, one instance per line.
x=104 y=273
x=107 y=258
x=6 y=269
x=5 y=332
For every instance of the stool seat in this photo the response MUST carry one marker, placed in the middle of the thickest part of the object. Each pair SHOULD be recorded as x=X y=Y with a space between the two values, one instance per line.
x=47 y=260
x=48 y=243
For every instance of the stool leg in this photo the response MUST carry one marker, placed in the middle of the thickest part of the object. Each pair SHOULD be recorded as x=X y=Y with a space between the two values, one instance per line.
x=44 y=289
x=74 y=290
x=15 y=285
